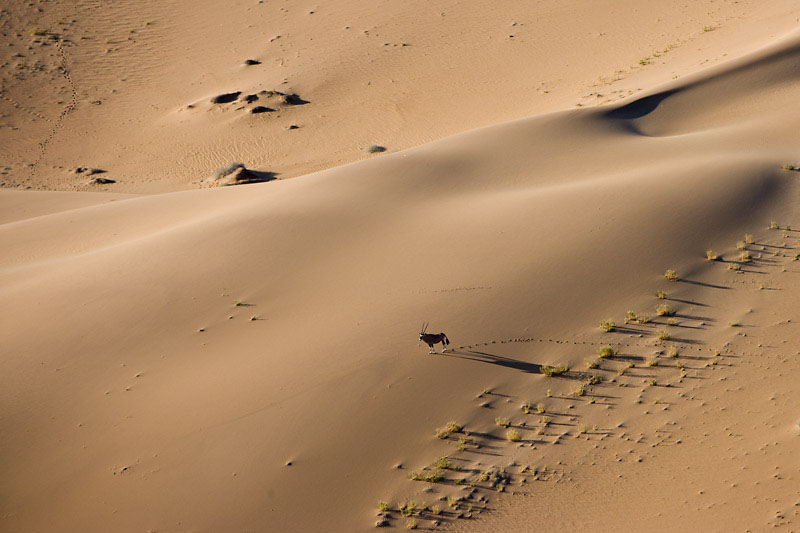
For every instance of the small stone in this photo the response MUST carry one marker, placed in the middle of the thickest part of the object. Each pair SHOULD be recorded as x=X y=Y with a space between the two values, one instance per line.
x=381 y=523
x=252 y=62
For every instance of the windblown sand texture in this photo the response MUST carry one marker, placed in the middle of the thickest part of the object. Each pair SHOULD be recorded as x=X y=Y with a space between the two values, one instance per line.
x=191 y=344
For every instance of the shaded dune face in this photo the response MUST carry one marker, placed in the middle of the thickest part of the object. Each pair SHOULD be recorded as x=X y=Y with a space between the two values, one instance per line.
x=246 y=357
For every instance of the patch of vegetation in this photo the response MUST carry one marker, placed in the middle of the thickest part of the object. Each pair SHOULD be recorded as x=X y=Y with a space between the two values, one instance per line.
x=608 y=325
x=383 y=506
x=630 y=316
x=734 y=324
x=672 y=352
x=431 y=476
x=748 y=239
x=744 y=256
x=540 y=408
x=411 y=524
x=580 y=390
x=665 y=310
x=551 y=371
x=652 y=382
x=512 y=435
x=707 y=29
x=662 y=335
x=223 y=171
x=789 y=166
x=591 y=364
x=502 y=421
x=773 y=225
x=448 y=429
x=661 y=295
x=408 y=508
x=374 y=149
x=671 y=275
x=606 y=351
x=651 y=361
x=442 y=462
x=621 y=370
x=710 y=255
x=643 y=319
x=461 y=444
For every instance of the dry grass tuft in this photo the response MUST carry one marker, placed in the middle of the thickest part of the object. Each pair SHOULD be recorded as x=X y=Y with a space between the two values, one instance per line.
x=502 y=421
x=665 y=310
x=608 y=325
x=606 y=351
x=551 y=371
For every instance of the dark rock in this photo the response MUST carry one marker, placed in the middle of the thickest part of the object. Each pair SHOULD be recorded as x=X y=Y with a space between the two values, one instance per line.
x=101 y=181
x=292 y=127
x=250 y=98
x=261 y=109
x=225 y=98
x=252 y=62
x=293 y=99
x=382 y=523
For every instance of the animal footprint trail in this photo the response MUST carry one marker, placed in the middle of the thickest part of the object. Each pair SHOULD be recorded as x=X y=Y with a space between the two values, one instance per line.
x=59 y=122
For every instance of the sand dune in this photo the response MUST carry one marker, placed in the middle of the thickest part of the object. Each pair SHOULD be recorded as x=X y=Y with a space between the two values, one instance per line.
x=109 y=85
x=245 y=358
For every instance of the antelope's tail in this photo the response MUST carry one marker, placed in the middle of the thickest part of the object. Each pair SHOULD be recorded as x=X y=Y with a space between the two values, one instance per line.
x=446 y=340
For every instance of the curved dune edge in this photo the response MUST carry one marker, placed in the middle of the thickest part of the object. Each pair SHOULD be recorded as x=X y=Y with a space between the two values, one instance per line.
x=212 y=337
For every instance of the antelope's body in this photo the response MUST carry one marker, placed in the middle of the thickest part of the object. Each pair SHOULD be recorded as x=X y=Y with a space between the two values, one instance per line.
x=432 y=339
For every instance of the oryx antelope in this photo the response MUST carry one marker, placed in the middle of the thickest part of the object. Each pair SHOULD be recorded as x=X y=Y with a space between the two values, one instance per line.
x=433 y=338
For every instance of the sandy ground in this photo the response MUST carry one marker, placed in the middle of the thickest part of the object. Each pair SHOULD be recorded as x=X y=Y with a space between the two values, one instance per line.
x=182 y=357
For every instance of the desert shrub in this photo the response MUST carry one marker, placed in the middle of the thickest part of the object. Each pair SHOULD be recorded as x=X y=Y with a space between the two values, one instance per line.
x=607 y=325
x=551 y=371
x=665 y=310
x=606 y=351
x=223 y=171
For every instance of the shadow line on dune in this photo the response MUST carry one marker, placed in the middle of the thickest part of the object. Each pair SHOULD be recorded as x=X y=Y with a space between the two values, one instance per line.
x=483 y=357
x=703 y=284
